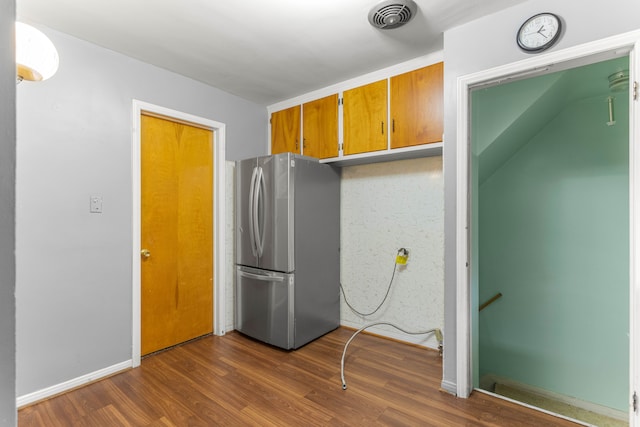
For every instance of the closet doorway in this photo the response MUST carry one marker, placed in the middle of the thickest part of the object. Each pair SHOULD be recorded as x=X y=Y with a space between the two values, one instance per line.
x=550 y=240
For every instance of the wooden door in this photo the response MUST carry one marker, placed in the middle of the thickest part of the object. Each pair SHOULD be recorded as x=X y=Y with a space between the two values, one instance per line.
x=320 y=127
x=417 y=107
x=285 y=131
x=365 y=118
x=177 y=232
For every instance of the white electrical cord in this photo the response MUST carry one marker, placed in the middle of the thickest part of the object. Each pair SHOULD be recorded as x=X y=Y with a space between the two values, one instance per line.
x=437 y=332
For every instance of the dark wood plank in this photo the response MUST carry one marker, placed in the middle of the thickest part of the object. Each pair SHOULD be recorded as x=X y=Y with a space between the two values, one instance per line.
x=234 y=380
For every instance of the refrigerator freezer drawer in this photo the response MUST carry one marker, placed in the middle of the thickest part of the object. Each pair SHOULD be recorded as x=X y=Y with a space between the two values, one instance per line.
x=264 y=306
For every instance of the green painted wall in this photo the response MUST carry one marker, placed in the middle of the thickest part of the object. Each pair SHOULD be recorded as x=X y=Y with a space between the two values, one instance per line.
x=553 y=238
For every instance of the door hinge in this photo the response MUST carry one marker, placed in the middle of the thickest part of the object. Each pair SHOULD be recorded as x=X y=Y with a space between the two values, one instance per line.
x=635 y=91
x=635 y=402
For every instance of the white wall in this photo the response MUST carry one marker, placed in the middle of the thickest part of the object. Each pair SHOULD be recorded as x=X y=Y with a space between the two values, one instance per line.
x=74 y=138
x=489 y=42
x=230 y=245
x=7 y=215
x=386 y=206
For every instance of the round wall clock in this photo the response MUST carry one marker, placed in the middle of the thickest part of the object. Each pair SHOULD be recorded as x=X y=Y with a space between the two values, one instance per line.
x=539 y=32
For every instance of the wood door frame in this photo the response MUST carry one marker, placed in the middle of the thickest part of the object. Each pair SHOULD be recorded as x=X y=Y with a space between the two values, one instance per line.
x=219 y=217
x=608 y=48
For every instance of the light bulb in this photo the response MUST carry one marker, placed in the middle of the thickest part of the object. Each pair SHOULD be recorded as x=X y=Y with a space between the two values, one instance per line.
x=36 y=56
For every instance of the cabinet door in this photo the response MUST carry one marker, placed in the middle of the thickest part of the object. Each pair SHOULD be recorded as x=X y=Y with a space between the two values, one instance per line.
x=285 y=131
x=320 y=127
x=365 y=118
x=417 y=107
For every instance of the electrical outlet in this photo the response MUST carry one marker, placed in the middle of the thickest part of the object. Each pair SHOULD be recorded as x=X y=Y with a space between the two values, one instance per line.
x=402 y=256
x=95 y=204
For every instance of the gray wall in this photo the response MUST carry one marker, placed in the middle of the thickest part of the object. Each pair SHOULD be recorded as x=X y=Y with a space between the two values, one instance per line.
x=74 y=268
x=7 y=216
x=490 y=42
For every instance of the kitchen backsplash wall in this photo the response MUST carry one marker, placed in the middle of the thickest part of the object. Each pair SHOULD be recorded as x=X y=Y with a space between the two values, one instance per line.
x=384 y=207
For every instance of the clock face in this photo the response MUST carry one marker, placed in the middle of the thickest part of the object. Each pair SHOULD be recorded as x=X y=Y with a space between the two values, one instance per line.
x=539 y=32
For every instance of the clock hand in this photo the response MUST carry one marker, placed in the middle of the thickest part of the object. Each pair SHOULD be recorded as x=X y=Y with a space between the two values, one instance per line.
x=540 y=32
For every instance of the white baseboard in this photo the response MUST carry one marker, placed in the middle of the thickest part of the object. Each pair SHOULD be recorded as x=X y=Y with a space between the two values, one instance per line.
x=36 y=396
x=583 y=404
x=449 y=387
x=427 y=340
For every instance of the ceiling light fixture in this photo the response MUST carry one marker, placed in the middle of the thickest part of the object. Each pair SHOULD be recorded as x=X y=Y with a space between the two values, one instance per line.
x=619 y=81
x=392 y=13
x=36 y=56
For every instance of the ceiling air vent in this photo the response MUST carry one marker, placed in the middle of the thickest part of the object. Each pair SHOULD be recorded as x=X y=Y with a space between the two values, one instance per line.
x=392 y=13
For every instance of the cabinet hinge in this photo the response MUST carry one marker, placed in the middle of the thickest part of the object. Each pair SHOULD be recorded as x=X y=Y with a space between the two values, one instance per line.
x=340 y=147
x=340 y=101
x=635 y=402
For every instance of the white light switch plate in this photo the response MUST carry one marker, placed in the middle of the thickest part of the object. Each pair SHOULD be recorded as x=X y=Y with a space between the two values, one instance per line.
x=95 y=204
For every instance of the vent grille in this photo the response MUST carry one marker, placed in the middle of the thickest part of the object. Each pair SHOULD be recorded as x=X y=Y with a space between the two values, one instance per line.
x=392 y=14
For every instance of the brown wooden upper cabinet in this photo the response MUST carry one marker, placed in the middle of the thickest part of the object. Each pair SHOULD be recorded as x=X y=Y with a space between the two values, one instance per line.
x=285 y=131
x=417 y=107
x=365 y=118
x=320 y=127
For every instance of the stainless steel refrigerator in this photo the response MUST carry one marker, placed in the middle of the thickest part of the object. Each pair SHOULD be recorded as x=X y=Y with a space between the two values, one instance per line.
x=287 y=249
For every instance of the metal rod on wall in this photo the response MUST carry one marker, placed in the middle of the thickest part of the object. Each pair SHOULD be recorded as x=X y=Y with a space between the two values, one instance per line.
x=611 y=121
x=491 y=301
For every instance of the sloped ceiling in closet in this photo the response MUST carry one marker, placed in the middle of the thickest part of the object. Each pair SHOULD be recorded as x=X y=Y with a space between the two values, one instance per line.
x=507 y=116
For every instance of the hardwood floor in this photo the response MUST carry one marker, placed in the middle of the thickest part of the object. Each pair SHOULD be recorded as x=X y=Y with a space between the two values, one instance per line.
x=235 y=381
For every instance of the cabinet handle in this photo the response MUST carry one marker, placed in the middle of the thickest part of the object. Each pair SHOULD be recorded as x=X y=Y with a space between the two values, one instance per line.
x=304 y=143
x=393 y=125
x=382 y=127
x=296 y=144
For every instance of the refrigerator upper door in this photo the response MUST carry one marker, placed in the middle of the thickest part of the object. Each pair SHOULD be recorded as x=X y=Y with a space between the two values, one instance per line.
x=246 y=177
x=274 y=219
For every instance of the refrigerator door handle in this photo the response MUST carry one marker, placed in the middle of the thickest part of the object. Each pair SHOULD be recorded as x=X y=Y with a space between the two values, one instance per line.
x=252 y=202
x=255 y=206
x=260 y=227
x=262 y=277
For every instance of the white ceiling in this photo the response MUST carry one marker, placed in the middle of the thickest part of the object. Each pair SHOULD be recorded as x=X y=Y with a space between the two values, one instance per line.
x=261 y=50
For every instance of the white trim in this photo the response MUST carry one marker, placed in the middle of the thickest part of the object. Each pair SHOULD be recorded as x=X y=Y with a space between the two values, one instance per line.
x=634 y=234
x=449 y=386
x=612 y=47
x=219 y=217
x=27 y=399
x=463 y=320
x=412 y=152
